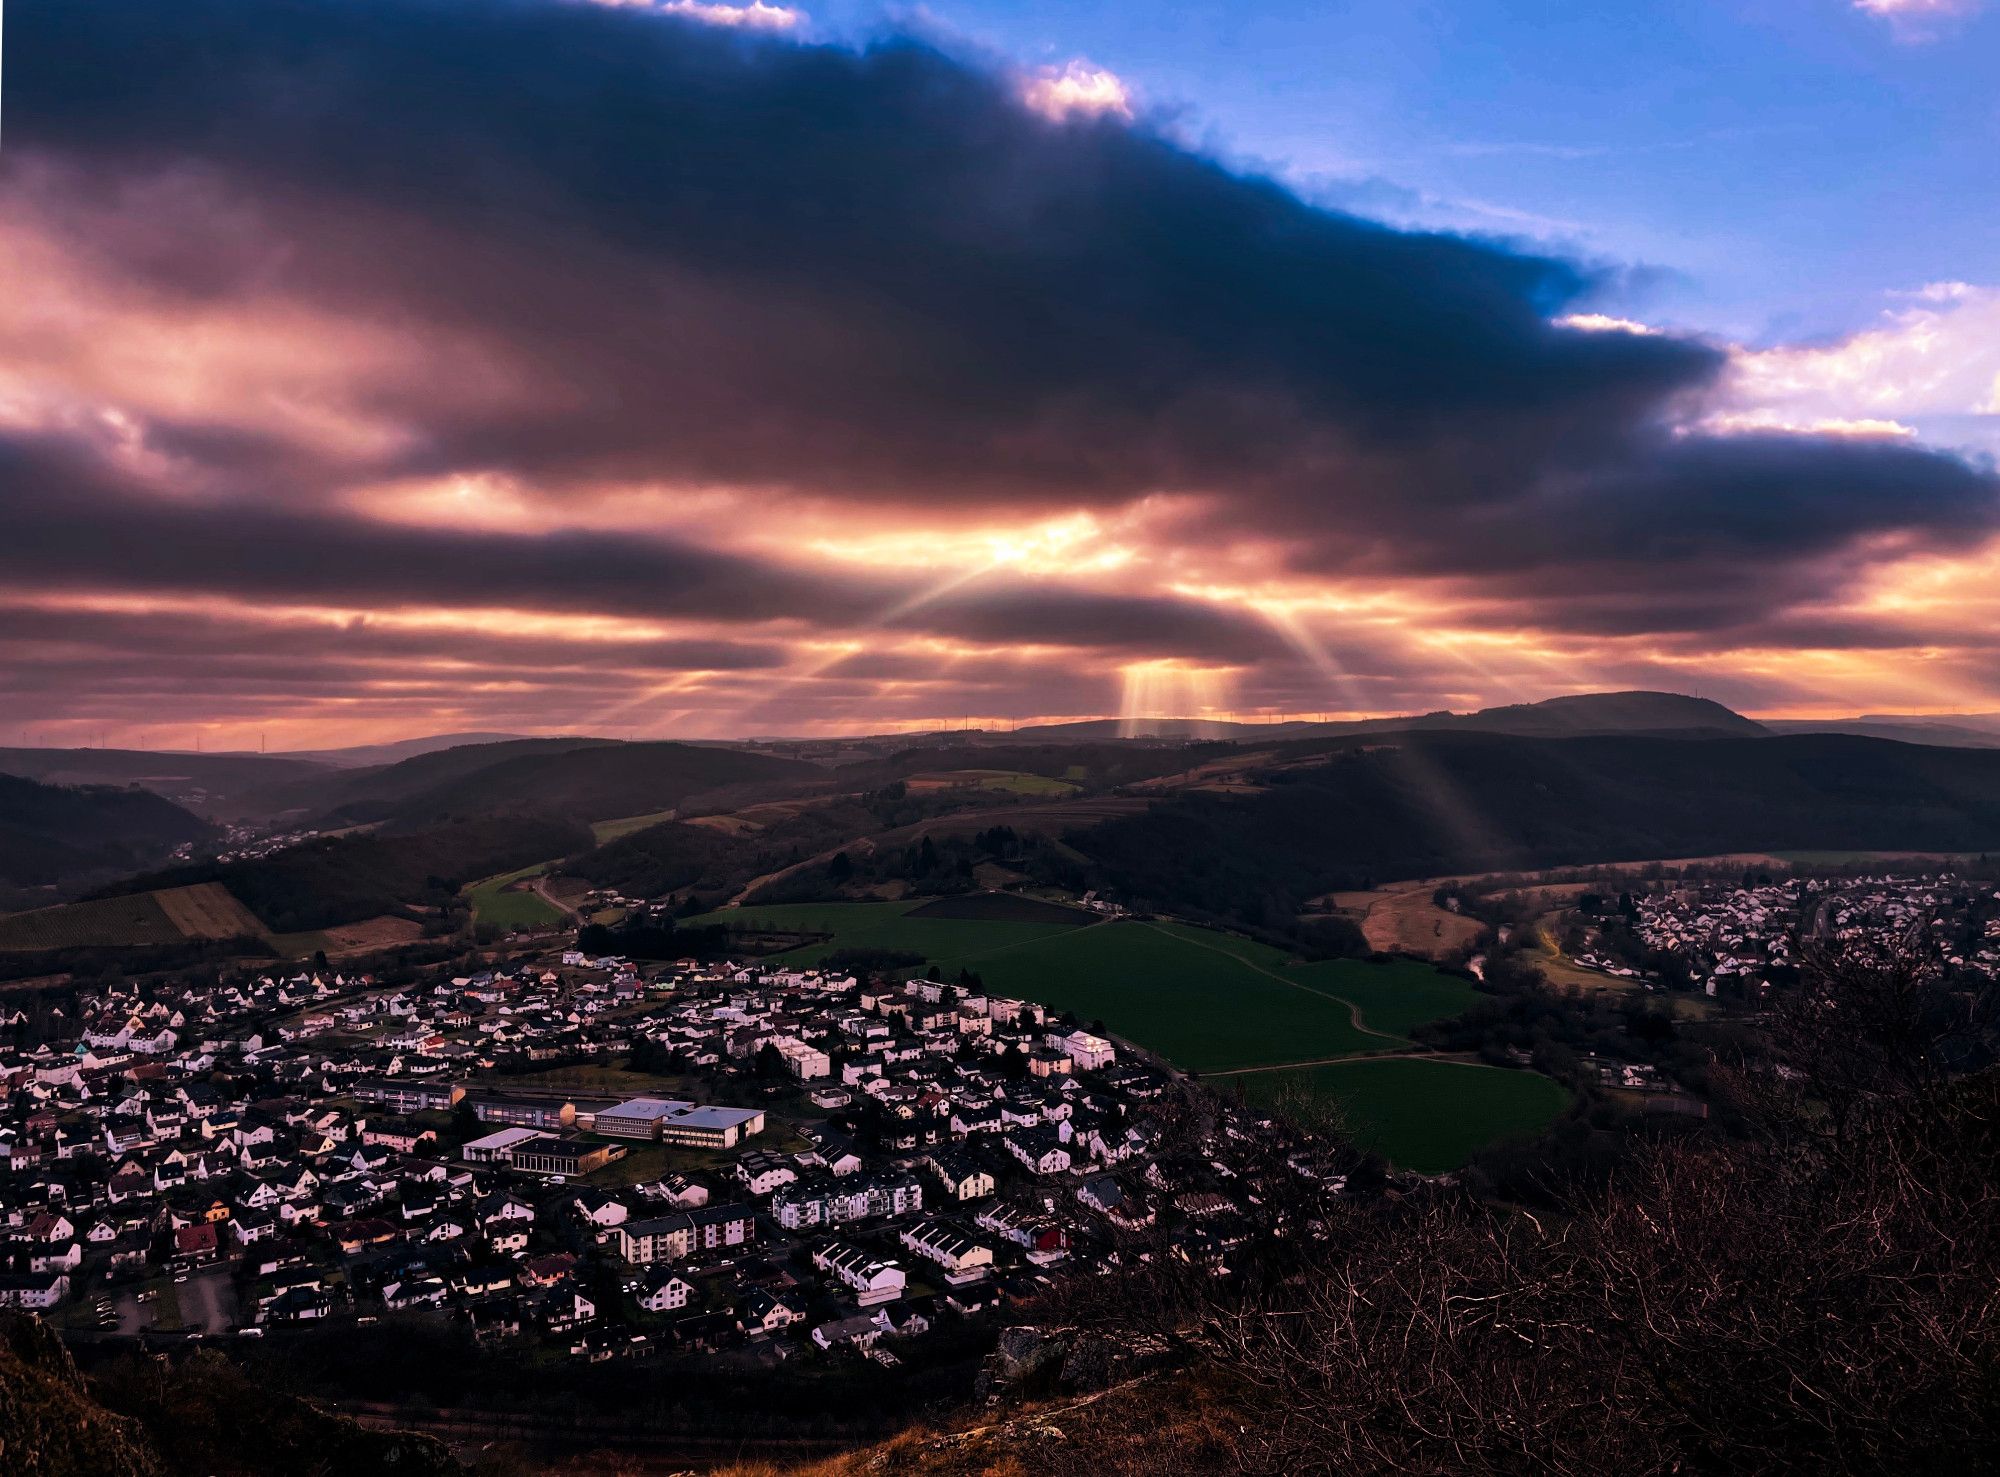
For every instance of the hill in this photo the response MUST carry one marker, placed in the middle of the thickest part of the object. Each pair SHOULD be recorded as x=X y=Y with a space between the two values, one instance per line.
x=152 y=1417
x=211 y=785
x=1973 y=731
x=203 y=910
x=337 y=880
x=1309 y=819
x=1603 y=712
x=52 y=834
x=1584 y=713
x=375 y=792
x=362 y=755
x=582 y=780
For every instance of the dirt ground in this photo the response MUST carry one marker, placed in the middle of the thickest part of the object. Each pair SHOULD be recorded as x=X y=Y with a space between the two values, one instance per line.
x=1402 y=919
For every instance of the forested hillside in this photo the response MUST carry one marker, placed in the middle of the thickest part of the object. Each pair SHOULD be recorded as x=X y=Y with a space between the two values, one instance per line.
x=52 y=833
x=344 y=879
x=1435 y=804
x=584 y=781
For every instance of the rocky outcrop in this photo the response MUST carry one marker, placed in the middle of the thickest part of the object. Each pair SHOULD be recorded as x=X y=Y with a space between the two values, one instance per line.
x=49 y=1424
x=200 y=1416
x=1041 y=1361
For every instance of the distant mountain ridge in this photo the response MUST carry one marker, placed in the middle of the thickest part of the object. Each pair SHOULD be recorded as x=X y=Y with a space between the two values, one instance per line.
x=1955 y=731
x=207 y=784
x=576 y=779
x=374 y=792
x=357 y=756
x=1577 y=715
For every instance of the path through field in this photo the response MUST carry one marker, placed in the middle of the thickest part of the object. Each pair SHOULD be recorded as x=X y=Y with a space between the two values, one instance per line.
x=1353 y=1010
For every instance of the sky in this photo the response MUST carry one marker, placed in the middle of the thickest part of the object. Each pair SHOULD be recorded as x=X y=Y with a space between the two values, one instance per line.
x=372 y=368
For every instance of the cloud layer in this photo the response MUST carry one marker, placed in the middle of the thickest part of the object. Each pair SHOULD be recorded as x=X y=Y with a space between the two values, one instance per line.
x=911 y=386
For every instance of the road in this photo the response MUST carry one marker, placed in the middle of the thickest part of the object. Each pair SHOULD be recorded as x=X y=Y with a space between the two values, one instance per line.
x=540 y=887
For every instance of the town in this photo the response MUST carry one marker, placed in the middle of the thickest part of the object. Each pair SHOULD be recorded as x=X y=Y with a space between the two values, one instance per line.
x=1732 y=938
x=840 y=1164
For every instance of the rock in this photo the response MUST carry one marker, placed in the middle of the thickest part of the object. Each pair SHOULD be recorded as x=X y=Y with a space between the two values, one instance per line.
x=1022 y=1356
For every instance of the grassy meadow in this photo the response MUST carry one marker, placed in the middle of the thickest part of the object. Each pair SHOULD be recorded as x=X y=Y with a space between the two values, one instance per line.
x=881 y=926
x=604 y=832
x=1421 y=1114
x=1219 y=1004
x=493 y=903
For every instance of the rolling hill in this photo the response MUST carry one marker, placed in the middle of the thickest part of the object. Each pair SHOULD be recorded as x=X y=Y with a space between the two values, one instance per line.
x=1971 y=731
x=1585 y=713
x=577 y=779
x=375 y=792
x=205 y=910
x=1426 y=804
x=359 y=756
x=337 y=880
x=211 y=785
x=53 y=834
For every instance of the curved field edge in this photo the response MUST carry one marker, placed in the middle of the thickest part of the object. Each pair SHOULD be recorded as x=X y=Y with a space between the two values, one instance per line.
x=1205 y=1000
x=493 y=903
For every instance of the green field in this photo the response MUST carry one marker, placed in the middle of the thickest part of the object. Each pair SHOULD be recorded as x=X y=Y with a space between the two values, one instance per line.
x=1395 y=996
x=1848 y=858
x=600 y=1081
x=879 y=926
x=491 y=903
x=1426 y=1116
x=1219 y=1003
x=1002 y=907
x=1206 y=1000
x=1029 y=784
x=1199 y=1005
x=605 y=831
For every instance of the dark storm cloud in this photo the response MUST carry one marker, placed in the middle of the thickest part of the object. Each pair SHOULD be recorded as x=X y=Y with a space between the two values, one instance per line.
x=678 y=253
x=188 y=636
x=1035 y=615
x=769 y=262
x=1705 y=535
x=72 y=526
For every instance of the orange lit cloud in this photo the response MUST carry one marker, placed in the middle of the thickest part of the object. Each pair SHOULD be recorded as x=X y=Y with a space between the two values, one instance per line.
x=644 y=400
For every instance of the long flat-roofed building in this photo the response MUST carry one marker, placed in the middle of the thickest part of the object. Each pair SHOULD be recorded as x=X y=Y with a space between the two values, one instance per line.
x=500 y=1147
x=637 y=1118
x=709 y=1128
x=549 y=1113
x=568 y=1157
